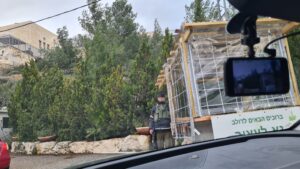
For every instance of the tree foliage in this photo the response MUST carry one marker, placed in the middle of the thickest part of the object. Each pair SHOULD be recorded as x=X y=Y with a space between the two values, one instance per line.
x=197 y=10
x=143 y=74
x=167 y=44
x=199 y=13
x=208 y=10
x=22 y=103
x=104 y=94
x=6 y=89
x=65 y=55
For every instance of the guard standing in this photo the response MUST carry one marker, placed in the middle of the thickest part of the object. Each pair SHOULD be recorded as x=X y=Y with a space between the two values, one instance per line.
x=159 y=124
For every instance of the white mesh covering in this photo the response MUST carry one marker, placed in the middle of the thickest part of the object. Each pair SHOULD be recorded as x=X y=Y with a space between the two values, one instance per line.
x=208 y=54
x=208 y=49
x=179 y=105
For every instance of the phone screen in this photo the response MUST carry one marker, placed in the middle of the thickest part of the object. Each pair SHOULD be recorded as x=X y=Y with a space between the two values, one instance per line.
x=258 y=76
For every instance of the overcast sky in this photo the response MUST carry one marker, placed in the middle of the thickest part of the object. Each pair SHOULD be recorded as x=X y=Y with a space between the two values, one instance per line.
x=170 y=13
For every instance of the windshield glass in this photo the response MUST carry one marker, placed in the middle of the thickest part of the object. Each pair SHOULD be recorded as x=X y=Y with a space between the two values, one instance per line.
x=88 y=80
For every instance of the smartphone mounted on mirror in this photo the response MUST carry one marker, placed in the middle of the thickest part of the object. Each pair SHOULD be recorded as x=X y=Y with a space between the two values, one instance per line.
x=256 y=76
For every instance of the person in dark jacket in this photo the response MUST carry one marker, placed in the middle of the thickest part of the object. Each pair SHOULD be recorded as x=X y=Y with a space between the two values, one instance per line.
x=159 y=124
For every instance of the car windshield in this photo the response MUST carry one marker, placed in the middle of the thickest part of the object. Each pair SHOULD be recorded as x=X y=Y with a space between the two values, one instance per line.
x=92 y=79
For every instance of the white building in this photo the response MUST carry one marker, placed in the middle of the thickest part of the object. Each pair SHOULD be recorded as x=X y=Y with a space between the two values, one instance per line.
x=4 y=124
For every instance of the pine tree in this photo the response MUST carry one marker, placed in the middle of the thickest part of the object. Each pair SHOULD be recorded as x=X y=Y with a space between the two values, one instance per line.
x=206 y=10
x=196 y=11
x=156 y=44
x=109 y=92
x=167 y=44
x=65 y=56
x=92 y=18
x=199 y=12
x=46 y=90
x=143 y=76
x=22 y=102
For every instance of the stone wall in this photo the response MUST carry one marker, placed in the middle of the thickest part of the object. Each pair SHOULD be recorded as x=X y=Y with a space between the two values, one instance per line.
x=131 y=143
x=11 y=57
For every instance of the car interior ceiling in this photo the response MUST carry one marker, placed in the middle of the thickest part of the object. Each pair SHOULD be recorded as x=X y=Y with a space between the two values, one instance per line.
x=287 y=9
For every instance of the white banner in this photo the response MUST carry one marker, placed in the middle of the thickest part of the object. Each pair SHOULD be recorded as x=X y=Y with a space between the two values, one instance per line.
x=254 y=122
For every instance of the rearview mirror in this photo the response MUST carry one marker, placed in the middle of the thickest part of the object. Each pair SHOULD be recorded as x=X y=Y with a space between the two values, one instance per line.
x=256 y=76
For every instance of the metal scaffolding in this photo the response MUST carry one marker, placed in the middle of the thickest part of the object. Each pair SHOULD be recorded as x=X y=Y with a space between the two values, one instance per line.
x=194 y=74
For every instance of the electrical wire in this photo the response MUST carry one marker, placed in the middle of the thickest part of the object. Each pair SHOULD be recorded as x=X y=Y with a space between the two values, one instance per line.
x=50 y=17
x=272 y=52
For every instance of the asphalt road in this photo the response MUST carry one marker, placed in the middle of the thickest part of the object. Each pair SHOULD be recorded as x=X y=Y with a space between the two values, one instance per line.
x=53 y=162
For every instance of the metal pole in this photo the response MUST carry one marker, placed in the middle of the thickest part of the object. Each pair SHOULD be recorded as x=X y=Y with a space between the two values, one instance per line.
x=219 y=9
x=225 y=10
x=167 y=70
x=184 y=63
x=193 y=79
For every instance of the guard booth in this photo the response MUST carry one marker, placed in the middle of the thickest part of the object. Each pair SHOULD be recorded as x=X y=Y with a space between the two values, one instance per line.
x=193 y=75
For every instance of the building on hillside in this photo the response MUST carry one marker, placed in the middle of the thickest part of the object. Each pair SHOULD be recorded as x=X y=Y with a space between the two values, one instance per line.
x=18 y=46
x=194 y=78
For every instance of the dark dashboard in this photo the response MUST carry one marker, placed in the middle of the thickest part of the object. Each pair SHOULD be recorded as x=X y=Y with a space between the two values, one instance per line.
x=268 y=153
x=279 y=150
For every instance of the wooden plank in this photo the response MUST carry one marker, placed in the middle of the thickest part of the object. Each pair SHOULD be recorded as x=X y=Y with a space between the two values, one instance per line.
x=269 y=20
x=196 y=119
x=161 y=76
x=221 y=34
x=182 y=120
x=171 y=59
x=162 y=84
x=289 y=27
x=223 y=23
x=207 y=80
x=172 y=53
x=176 y=46
x=187 y=35
x=292 y=72
x=202 y=119
x=159 y=80
x=170 y=100
x=188 y=78
x=204 y=24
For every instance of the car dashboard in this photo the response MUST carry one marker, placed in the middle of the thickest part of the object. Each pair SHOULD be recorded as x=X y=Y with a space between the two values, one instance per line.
x=281 y=153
